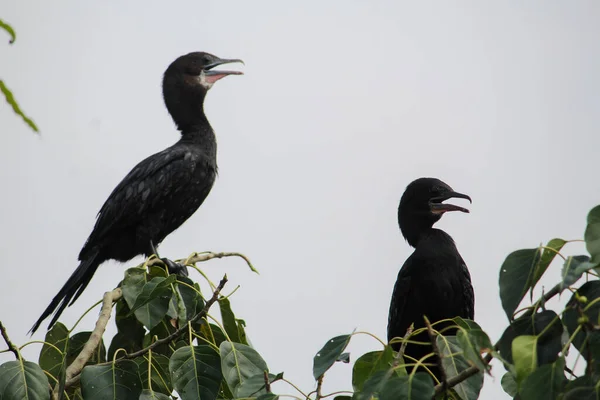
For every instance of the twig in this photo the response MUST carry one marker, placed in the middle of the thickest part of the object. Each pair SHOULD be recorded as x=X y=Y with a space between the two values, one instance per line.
x=10 y=344
x=319 y=387
x=267 y=384
x=201 y=257
x=436 y=351
x=95 y=338
x=409 y=331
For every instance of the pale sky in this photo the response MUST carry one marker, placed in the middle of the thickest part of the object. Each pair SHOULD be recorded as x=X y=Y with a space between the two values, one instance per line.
x=343 y=103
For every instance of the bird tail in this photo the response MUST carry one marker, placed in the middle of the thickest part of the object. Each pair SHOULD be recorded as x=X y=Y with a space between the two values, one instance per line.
x=70 y=291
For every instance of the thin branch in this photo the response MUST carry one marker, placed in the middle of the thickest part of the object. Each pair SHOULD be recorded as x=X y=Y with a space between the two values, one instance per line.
x=10 y=344
x=319 y=387
x=436 y=351
x=204 y=256
x=267 y=383
x=95 y=338
x=405 y=340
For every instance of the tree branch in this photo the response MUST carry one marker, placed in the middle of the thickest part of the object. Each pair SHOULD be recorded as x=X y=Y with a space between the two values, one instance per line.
x=209 y=255
x=10 y=344
x=95 y=338
x=436 y=351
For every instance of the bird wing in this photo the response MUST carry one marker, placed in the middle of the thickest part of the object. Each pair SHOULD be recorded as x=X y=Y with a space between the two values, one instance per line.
x=148 y=188
x=398 y=321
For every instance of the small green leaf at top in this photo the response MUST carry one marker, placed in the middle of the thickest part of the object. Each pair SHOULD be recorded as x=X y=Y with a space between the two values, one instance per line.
x=115 y=381
x=466 y=324
x=240 y=362
x=328 y=355
x=524 y=351
x=516 y=277
x=196 y=372
x=10 y=99
x=23 y=380
x=592 y=234
x=9 y=29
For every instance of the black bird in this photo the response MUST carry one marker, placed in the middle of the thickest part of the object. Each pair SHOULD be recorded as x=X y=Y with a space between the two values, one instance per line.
x=162 y=191
x=434 y=281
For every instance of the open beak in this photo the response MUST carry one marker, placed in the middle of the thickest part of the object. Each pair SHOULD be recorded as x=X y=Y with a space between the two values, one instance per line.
x=437 y=207
x=212 y=76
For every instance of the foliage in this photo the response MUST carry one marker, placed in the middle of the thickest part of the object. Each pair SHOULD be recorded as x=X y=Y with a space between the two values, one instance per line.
x=8 y=95
x=169 y=346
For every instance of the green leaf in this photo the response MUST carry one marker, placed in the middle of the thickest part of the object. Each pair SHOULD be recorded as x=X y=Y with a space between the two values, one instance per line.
x=115 y=381
x=148 y=394
x=161 y=330
x=268 y=396
x=592 y=234
x=213 y=334
x=9 y=29
x=549 y=344
x=240 y=362
x=254 y=385
x=473 y=343
x=579 y=311
x=157 y=288
x=328 y=355
x=454 y=363
x=229 y=321
x=544 y=383
x=466 y=324
x=372 y=362
x=23 y=380
x=516 y=277
x=76 y=343
x=375 y=384
x=52 y=360
x=159 y=373
x=148 y=300
x=509 y=384
x=524 y=351
x=10 y=99
x=552 y=248
x=184 y=301
x=409 y=387
x=573 y=268
x=130 y=332
x=582 y=388
x=196 y=372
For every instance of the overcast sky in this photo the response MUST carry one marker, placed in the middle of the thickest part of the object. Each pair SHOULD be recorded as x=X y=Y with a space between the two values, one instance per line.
x=342 y=104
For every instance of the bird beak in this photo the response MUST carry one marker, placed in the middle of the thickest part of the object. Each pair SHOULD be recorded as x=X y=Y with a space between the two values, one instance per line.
x=212 y=76
x=437 y=207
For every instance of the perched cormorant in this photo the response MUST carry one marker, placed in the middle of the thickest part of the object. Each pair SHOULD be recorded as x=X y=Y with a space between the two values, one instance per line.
x=162 y=191
x=434 y=281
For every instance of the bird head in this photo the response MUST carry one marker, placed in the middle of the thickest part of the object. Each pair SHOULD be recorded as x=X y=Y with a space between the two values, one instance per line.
x=422 y=205
x=187 y=80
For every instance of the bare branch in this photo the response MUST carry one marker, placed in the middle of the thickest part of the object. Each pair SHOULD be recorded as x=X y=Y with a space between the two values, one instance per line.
x=409 y=331
x=267 y=384
x=436 y=351
x=205 y=256
x=95 y=338
x=10 y=344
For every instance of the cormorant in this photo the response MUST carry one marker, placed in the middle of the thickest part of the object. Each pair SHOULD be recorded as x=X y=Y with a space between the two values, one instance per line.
x=162 y=191
x=434 y=281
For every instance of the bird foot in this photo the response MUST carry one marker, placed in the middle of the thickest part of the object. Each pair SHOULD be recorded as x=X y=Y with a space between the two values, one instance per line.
x=175 y=268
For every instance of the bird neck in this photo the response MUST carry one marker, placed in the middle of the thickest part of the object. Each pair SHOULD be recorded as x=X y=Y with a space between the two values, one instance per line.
x=201 y=136
x=427 y=234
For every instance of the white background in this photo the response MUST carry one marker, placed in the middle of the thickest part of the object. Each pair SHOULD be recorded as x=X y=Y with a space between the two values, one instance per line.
x=342 y=104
